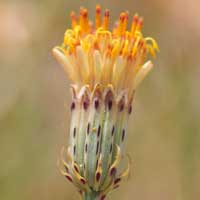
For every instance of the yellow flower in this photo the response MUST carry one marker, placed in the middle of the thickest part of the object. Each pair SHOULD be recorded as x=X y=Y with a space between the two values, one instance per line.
x=92 y=54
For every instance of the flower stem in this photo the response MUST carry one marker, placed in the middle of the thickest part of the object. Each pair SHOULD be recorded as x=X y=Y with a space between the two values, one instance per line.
x=91 y=196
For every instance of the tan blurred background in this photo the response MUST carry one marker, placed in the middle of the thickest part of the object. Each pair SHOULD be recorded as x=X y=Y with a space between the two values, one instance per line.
x=164 y=135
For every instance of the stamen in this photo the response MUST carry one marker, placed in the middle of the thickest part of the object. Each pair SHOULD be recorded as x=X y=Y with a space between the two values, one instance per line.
x=98 y=16
x=122 y=19
x=134 y=24
x=85 y=20
x=139 y=24
x=73 y=19
x=106 y=19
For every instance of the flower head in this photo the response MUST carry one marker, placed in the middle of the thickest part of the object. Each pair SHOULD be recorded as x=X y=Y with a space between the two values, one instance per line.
x=92 y=54
x=105 y=67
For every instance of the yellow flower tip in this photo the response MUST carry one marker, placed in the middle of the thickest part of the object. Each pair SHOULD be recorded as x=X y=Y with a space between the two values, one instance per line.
x=93 y=54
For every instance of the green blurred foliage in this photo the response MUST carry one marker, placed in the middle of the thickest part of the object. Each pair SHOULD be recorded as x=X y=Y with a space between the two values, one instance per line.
x=164 y=133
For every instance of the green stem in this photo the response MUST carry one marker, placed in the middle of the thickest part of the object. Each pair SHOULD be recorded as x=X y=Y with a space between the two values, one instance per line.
x=91 y=196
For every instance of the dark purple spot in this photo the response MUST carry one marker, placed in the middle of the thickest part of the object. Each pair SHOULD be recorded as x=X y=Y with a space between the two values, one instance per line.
x=66 y=168
x=112 y=171
x=99 y=131
x=86 y=148
x=76 y=168
x=116 y=187
x=113 y=130
x=97 y=163
x=98 y=176
x=74 y=149
x=110 y=148
x=121 y=107
x=117 y=180
x=96 y=104
x=74 y=132
x=73 y=106
x=103 y=197
x=97 y=147
x=130 y=110
x=123 y=135
x=88 y=128
x=83 y=181
x=69 y=178
x=85 y=105
x=109 y=105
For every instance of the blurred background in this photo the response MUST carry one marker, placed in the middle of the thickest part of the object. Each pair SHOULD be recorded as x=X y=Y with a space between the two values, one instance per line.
x=164 y=133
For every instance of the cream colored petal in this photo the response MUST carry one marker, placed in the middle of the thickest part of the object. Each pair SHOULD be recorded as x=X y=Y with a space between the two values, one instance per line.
x=145 y=69
x=64 y=62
